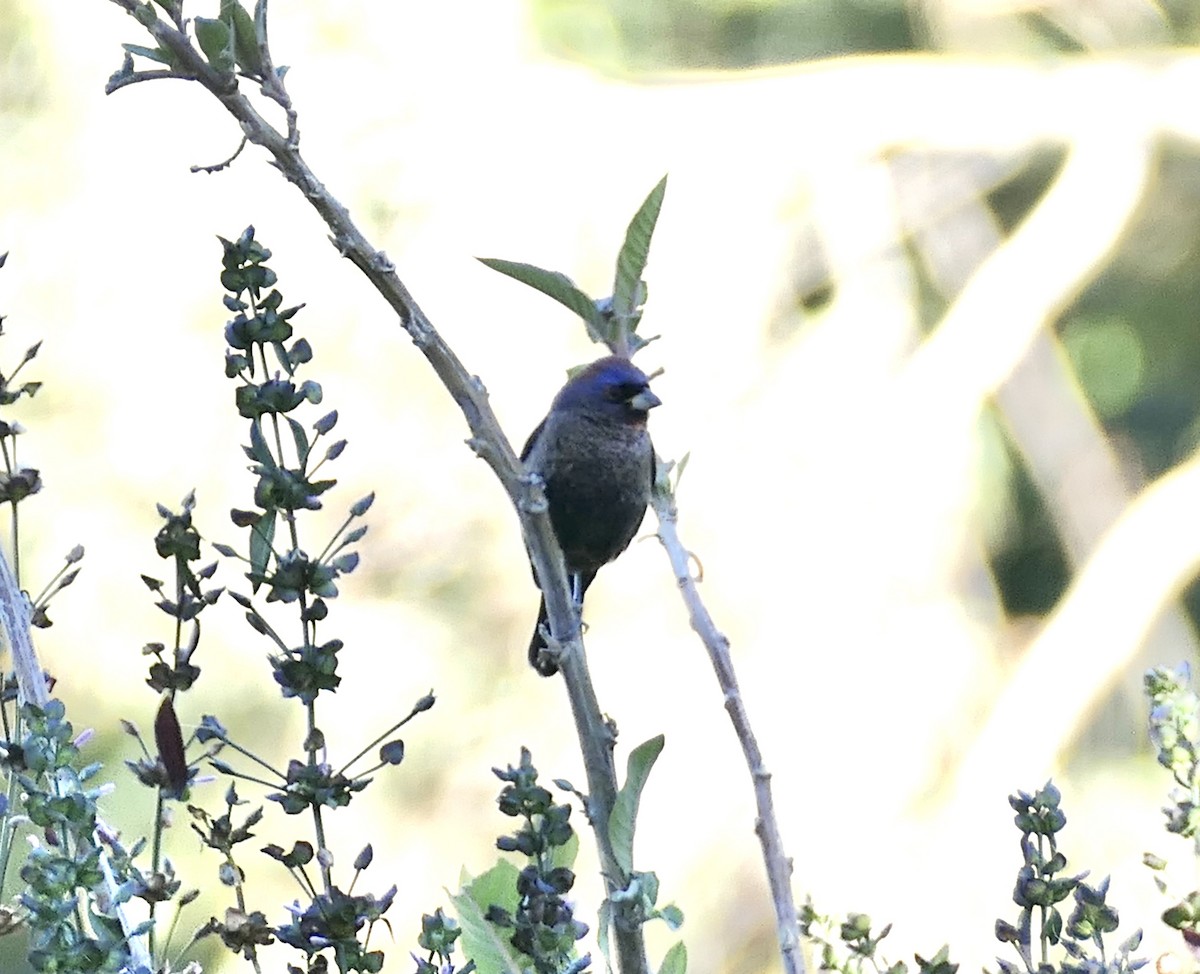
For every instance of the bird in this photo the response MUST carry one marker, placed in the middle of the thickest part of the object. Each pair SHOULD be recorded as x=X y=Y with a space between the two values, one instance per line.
x=594 y=456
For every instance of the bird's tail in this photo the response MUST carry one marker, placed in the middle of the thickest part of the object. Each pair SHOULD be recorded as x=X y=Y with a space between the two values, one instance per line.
x=543 y=665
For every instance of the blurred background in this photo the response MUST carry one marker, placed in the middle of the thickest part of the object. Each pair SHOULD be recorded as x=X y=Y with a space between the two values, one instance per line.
x=926 y=279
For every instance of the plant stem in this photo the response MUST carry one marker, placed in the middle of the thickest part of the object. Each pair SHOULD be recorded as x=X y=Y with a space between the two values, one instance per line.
x=318 y=821
x=8 y=832
x=155 y=860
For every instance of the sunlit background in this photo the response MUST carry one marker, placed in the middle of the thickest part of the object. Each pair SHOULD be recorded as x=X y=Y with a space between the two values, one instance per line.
x=926 y=280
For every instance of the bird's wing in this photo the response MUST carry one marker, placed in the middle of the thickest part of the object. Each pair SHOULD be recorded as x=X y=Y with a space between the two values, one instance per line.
x=525 y=450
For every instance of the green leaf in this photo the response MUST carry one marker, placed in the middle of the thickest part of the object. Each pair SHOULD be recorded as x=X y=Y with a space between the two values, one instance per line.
x=483 y=942
x=675 y=962
x=260 y=23
x=623 y=820
x=258 y=445
x=604 y=920
x=216 y=41
x=681 y=466
x=1052 y=926
x=554 y=285
x=245 y=39
x=564 y=855
x=326 y=423
x=261 y=536
x=496 y=887
x=628 y=289
x=311 y=391
x=153 y=53
x=301 y=440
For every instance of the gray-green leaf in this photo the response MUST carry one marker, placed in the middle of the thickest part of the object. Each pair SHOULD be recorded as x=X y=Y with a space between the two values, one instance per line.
x=216 y=41
x=675 y=961
x=261 y=537
x=245 y=40
x=554 y=285
x=300 y=438
x=628 y=290
x=482 y=941
x=623 y=820
x=153 y=53
x=672 y=916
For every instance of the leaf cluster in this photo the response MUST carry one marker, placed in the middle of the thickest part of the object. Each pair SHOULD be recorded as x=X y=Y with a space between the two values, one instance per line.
x=1045 y=940
x=1174 y=724
x=70 y=927
x=1175 y=735
x=233 y=42
x=17 y=482
x=1043 y=885
x=333 y=924
x=542 y=924
x=613 y=320
x=439 y=934
x=852 y=945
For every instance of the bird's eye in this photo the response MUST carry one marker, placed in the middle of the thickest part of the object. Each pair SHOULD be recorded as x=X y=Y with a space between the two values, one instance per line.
x=624 y=391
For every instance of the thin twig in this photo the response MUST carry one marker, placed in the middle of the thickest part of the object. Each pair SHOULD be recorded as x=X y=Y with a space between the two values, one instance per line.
x=224 y=164
x=487 y=440
x=779 y=866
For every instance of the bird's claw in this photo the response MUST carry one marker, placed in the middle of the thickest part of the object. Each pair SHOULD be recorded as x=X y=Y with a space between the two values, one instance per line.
x=551 y=653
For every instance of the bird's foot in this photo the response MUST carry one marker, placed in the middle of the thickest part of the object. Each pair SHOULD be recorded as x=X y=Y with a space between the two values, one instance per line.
x=549 y=654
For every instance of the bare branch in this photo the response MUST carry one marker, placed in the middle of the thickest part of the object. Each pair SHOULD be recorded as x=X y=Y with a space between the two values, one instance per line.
x=779 y=866
x=225 y=163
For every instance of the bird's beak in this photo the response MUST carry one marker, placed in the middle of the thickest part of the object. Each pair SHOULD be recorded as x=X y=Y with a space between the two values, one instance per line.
x=644 y=401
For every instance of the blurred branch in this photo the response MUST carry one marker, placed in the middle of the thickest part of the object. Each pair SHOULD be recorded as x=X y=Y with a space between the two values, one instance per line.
x=947 y=102
x=779 y=866
x=1070 y=460
x=1138 y=566
x=1019 y=289
x=1079 y=478
x=487 y=438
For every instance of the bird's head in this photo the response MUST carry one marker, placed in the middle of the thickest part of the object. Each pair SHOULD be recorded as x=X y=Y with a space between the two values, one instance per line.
x=612 y=386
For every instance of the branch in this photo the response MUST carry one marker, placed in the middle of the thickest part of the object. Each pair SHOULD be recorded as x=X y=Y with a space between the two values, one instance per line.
x=1054 y=253
x=1137 y=567
x=14 y=619
x=1071 y=461
x=779 y=866
x=999 y=340
x=487 y=440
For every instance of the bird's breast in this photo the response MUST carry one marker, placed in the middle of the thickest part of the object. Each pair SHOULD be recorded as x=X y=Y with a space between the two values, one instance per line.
x=598 y=482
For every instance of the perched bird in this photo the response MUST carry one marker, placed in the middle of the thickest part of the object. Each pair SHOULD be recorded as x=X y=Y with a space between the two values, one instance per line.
x=594 y=455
